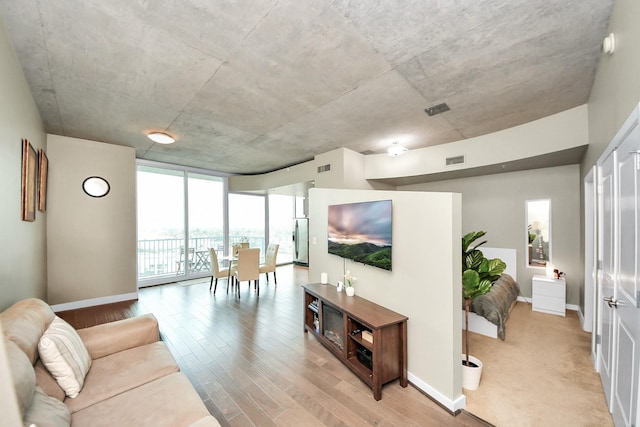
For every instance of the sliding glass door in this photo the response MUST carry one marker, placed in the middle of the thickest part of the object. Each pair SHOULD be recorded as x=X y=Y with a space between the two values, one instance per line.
x=180 y=216
x=206 y=220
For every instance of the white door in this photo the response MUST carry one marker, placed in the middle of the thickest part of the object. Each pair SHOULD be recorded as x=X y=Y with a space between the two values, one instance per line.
x=626 y=321
x=606 y=281
x=590 y=256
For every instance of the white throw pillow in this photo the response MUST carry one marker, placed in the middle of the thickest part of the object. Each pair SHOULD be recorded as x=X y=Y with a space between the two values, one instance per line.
x=65 y=356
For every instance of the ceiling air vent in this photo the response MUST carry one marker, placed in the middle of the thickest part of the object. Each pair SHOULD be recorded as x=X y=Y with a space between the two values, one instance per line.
x=454 y=160
x=324 y=168
x=437 y=109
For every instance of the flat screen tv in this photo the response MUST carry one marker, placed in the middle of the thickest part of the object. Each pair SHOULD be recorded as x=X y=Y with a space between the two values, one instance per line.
x=361 y=232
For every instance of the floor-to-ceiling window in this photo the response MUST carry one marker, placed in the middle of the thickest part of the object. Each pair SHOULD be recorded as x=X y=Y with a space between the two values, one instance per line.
x=281 y=212
x=206 y=219
x=180 y=216
x=247 y=220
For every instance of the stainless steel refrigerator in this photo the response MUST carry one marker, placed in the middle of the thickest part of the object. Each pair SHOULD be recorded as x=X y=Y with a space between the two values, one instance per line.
x=301 y=241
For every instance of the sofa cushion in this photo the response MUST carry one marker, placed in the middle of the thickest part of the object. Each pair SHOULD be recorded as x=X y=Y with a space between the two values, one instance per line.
x=112 y=337
x=122 y=371
x=25 y=322
x=46 y=411
x=24 y=380
x=65 y=356
x=167 y=401
x=47 y=382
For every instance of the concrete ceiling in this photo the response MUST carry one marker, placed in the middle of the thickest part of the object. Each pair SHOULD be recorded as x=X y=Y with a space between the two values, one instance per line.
x=253 y=86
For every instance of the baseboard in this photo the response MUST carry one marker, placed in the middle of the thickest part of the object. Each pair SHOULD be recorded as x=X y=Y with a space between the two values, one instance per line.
x=94 y=301
x=453 y=406
x=573 y=307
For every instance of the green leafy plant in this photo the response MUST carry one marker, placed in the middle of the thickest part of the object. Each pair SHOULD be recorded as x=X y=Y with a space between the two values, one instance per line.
x=478 y=275
x=532 y=236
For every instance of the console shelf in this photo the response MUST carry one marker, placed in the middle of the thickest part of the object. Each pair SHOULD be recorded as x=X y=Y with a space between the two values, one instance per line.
x=338 y=322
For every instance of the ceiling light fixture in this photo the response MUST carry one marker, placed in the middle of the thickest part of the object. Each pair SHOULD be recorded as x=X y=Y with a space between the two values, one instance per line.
x=161 y=138
x=396 y=149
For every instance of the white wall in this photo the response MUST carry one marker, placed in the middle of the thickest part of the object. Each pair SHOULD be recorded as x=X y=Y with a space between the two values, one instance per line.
x=91 y=241
x=347 y=171
x=496 y=204
x=562 y=131
x=423 y=285
x=23 y=261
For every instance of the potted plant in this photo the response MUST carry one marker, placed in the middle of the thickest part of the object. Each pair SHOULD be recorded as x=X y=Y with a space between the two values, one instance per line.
x=349 y=280
x=478 y=275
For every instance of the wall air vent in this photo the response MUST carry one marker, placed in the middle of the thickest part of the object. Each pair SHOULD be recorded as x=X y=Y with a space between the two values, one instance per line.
x=458 y=160
x=324 y=168
x=437 y=109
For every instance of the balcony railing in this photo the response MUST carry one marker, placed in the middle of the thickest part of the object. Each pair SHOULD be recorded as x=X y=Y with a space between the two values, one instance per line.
x=164 y=257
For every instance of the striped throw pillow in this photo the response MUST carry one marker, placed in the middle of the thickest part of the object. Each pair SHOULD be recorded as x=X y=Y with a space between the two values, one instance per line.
x=65 y=356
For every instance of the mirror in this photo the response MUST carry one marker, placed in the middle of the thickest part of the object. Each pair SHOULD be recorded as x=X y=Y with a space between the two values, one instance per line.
x=95 y=186
x=538 y=232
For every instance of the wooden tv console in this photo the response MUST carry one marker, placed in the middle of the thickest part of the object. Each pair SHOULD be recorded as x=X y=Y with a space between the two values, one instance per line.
x=337 y=321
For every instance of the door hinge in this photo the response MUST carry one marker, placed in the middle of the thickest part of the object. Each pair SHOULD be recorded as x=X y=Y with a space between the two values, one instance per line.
x=638 y=299
x=598 y=339
x=599 y=264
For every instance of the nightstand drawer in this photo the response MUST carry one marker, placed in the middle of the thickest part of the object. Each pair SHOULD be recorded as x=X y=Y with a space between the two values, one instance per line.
x=555 y=290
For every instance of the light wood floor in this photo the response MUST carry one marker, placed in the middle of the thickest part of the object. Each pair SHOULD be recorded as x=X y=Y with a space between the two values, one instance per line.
x=253 y=366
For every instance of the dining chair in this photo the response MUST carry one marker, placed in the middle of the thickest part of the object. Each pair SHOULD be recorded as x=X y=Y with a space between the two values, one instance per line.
x=248 y=268
x=269 y=265
x=216 y=272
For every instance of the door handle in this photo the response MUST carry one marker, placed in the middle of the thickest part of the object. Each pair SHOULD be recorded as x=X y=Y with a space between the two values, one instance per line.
x=611 y=302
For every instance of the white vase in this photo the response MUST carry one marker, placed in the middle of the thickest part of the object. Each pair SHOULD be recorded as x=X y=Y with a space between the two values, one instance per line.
x=350 y=290
x=471 y=375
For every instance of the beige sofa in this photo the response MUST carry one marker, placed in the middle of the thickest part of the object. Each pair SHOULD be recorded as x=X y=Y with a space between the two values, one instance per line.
x=132 y=380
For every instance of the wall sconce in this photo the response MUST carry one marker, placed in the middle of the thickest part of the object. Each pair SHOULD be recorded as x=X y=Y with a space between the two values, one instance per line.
x=609 y=44
x=396 y=149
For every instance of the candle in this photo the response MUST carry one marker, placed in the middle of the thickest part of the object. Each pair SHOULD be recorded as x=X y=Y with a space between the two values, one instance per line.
x=323 y=278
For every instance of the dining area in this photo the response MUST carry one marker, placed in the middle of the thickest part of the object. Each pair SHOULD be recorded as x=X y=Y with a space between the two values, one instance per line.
x=242 y=265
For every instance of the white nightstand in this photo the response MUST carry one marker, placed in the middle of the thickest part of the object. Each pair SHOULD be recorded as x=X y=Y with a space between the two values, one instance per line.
x=548 y=295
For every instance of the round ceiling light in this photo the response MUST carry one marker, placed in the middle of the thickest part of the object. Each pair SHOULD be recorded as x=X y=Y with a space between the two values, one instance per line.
x=396 y=149
x=161 y=138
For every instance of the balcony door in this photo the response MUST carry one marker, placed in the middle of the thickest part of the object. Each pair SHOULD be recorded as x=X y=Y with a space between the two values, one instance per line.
x=180 y=216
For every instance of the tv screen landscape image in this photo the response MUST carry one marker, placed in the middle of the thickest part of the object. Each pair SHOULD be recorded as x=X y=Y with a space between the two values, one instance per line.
x=361 y=232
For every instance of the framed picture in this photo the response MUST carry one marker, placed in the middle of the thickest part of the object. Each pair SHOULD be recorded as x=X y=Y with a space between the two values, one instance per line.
x=43 y=172
x=29 y=161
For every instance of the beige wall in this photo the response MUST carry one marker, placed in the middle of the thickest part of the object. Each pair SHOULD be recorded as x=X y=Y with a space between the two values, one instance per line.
x=616 y=88
x=559 y=132
x=347 y=171
x=23 y=261
x=496 y=204
x=91 y=241
x=423 y=285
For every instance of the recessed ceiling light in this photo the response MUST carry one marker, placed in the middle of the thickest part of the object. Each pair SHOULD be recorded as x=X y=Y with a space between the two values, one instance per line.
x=396 y=149
x=161 y=138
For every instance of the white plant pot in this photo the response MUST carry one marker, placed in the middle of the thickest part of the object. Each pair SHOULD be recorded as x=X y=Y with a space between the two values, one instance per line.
x=350 y=290
x=470 y=375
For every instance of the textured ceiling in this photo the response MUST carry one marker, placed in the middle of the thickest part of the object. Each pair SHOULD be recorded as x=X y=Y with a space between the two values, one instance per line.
x=253 y=86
